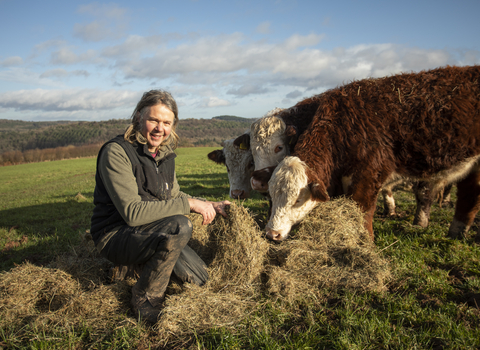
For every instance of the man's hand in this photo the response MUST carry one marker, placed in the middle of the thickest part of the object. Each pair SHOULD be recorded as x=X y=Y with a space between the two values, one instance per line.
x=204 y=208
x=220 y=207
x=207 y=209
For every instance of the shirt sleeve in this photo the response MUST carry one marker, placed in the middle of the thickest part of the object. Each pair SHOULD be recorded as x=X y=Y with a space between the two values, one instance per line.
x=115 y=170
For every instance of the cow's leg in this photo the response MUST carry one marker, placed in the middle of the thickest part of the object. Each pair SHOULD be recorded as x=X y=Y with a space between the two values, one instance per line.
x=388 y=202
x=424 y=198
x=468 y=203
x=443 y=196
x=365 y=193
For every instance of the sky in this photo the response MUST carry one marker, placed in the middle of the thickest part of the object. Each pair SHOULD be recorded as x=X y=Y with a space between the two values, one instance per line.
x=92 y=61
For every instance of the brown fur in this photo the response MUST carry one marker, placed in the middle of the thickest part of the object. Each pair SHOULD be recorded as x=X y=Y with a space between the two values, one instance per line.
x=414 y=124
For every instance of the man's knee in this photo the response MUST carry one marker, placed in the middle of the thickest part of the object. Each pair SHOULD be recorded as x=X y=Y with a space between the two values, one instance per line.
x=184 y=225
x=178 y=231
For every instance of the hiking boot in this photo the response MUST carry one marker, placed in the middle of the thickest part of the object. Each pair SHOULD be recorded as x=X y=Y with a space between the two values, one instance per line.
x=143 y=308
x=146 y=311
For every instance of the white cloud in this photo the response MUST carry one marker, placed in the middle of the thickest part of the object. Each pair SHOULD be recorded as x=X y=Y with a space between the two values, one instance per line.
x=62 y=73
x=11 y=61
x=67 y=56
x=134 y=46
x=46 y=45
x=230 y=67
x=215 y=102
x=110 y=23
x=17 y=75
x=67 y=100
x=248 y=89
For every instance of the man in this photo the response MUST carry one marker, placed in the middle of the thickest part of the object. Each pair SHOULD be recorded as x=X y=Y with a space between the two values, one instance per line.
x=139 y=215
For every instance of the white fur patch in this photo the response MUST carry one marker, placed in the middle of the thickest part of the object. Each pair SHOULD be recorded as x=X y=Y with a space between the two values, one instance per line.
x=240 y=167
x=291 y=197
x=266 y=135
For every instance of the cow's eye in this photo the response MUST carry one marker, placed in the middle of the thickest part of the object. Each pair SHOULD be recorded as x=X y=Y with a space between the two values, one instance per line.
x=252 y=164
x=278 y=148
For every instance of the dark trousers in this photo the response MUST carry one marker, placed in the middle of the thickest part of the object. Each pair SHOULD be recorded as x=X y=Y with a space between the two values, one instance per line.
x=161 y=247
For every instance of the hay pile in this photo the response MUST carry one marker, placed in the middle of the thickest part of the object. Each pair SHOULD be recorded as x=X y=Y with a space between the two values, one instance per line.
x=68 y=293
x=329 y=251
x=232 y=291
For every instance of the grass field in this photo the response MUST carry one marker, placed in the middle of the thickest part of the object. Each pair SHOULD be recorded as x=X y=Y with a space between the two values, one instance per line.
x=432 y=301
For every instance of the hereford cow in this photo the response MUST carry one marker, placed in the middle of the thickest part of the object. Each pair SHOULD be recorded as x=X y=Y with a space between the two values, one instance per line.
x=423 y=126
x=239 y=163
x=274 y=136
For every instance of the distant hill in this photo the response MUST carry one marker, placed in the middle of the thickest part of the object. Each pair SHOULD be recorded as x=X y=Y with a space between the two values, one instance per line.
x=17 y=135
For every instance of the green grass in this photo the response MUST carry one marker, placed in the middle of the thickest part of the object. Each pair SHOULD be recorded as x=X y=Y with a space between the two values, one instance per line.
x=432 y=302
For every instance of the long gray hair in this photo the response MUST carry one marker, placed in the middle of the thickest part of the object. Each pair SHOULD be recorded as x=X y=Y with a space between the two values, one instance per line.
x=149 y=99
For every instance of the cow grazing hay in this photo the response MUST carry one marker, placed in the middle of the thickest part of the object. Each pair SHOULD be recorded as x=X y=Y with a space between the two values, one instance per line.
x=330 y=251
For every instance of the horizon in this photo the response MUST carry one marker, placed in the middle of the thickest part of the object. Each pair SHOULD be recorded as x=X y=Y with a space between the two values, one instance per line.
x=91 y=61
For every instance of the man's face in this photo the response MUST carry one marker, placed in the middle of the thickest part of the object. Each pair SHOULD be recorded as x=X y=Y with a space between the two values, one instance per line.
x=157 y=126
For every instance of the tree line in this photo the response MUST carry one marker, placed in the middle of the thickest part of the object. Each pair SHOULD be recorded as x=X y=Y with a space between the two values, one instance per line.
x=26 y=142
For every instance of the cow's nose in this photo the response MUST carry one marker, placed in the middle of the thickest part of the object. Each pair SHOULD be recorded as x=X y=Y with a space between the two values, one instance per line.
x=238 y=194
x=259 y=185
x=273 y=235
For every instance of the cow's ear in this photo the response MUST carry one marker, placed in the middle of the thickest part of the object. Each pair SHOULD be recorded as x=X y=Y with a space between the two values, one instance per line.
x=243 y=142
x=217 y=156
x=319 y=192
x=291 y=132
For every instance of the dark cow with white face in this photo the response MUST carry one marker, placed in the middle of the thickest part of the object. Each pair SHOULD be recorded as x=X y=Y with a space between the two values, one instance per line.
x=273 y=137
x=239 y=162
x=422 y=126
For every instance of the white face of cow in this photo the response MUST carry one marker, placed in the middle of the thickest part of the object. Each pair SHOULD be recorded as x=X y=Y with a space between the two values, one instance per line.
x=291 y=198
x=268 y=144
x=240 y=166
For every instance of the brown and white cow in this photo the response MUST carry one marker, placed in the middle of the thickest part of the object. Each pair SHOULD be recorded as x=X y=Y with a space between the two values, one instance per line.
x=423 y=126
x=240 y=166
x=273 y=137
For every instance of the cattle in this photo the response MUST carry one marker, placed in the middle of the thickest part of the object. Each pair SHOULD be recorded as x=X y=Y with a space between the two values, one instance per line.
x=422 y=126
x=239 y=162
x=273 y=137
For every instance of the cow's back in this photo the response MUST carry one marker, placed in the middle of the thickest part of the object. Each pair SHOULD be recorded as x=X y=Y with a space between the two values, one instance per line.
x=422 y=122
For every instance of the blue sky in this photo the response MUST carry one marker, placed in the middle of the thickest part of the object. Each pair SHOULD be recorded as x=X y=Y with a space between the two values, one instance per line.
x=81 y=60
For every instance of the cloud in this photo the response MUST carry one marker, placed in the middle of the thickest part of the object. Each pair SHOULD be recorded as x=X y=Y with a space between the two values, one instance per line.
x=11 y=61
x=242 y=67
x=294 y=94
x=67 y=56
x=110 y=11
x=62 y=73
x=263 y=28
x=111 y=22
x=46 y=45
x=215 y=102
x=134 y=46
x=232 y=68
x=67 y=100
x=26 y=77
x=249 y=89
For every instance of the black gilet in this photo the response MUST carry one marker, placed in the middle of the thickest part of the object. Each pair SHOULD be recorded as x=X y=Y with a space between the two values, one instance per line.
x=154 y=181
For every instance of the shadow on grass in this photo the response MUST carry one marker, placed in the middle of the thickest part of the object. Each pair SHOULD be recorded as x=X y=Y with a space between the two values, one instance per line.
x=40 y=232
